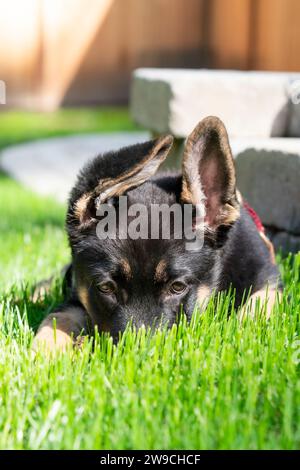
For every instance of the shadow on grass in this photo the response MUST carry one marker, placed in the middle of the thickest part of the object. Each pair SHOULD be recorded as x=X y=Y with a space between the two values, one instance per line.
x=20 y=302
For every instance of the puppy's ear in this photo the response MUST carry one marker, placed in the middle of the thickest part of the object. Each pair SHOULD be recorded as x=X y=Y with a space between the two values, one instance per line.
x=209 y=174
x=122 y=174
x=140 y=170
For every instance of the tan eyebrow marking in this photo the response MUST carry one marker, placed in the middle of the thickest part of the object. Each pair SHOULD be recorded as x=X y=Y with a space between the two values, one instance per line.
x=125 y=266
x=160 y=271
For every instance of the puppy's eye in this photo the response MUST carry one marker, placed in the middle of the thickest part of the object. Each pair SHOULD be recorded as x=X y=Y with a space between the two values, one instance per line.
x=177 y=287
x=108 y=287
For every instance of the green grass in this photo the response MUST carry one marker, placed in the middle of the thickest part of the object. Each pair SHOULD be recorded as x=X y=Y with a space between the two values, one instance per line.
x=212 y=384
x=19 y=126
x=32 y=240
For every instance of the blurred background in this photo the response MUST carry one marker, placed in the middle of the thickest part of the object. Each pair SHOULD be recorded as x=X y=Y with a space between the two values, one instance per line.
x=75 y=52
x=67 y=67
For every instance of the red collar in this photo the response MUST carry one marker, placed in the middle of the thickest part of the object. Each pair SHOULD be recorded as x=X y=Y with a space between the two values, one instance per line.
x=254 y=217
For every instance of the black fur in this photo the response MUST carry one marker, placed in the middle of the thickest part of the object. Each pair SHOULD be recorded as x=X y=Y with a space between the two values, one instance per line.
x=234 y=256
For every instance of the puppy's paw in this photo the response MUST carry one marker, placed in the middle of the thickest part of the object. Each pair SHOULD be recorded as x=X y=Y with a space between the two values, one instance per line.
x=50 y=340
x=60 y=330
x=265 y=299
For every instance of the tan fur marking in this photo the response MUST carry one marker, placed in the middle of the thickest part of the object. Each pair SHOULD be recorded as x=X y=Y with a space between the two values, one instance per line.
x=268 y=295
x=160 y=271
x=229 y=214
x=186 y=194
x=81 y=206
x=69 y=324
x=83 y=296
x=239 y=197
x=269 y=246
x=126 y=269
x=203 y=294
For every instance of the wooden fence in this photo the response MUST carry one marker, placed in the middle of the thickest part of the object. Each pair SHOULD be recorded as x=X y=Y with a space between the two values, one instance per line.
x=75 y=52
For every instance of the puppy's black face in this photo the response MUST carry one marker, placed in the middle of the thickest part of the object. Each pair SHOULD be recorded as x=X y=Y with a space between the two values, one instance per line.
x=148 y=281
x=145 y=281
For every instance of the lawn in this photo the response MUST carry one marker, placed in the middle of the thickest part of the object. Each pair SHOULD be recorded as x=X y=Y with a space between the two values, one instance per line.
x=18 y=126
x=213 y=384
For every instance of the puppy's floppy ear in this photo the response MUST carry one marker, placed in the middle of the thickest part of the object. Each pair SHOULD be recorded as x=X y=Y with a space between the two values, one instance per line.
x=209 y=174
x=127 y=169
x=143 y=167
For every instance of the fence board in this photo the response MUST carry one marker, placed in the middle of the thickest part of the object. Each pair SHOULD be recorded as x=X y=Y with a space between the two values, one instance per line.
x=79 y=52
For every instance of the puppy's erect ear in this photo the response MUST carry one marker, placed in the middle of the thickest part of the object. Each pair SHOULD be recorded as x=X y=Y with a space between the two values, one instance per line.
x=136 y=166
x=209 y=174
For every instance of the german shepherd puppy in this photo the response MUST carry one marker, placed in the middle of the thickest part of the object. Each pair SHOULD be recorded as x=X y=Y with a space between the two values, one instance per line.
x=145 y=280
